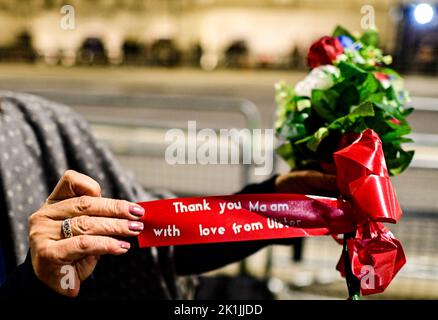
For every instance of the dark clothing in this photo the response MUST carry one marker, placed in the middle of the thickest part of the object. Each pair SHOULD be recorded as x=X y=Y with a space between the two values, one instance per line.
x=39 y=141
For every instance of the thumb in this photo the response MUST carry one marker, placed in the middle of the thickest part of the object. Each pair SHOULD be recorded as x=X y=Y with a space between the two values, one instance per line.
x=324 y=182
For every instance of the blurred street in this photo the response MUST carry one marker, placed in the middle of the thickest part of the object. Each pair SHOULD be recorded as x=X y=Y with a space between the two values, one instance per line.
x=254 y=85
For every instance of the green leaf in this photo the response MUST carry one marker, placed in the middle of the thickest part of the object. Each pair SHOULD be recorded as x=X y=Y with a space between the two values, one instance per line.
x=286 y=152
x=405 y=140
x=393 y=135
x=390 y=110
x=400 y=163
x=349 y=70
x=284 y=97
x=324 y=103
x=396 y=131
x=407 y=111
x=313 y=141
x=393 y=95
x=341 y=31
x=294 y=127
x=368 y=87
x=376 y=97
x=349 y=96
x=316 y=139
x=304 y=140
x=293 y=131
x=370 y=37
x=363 y=110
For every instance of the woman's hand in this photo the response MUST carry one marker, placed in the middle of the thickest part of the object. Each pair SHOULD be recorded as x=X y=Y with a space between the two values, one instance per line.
x=96 y=223
x=307 y=182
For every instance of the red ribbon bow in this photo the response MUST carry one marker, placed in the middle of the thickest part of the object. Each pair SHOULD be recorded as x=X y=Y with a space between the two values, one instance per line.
x=375 y=254
x=368 y=200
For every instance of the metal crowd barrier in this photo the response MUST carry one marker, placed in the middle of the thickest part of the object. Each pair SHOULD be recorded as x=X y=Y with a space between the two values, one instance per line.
x=145 y=157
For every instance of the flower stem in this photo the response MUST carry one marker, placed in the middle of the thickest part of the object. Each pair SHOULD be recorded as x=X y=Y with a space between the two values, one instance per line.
x=353 y=283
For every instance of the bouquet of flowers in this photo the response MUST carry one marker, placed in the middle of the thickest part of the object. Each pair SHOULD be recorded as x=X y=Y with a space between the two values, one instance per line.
x=349 y=88
x=348 y=116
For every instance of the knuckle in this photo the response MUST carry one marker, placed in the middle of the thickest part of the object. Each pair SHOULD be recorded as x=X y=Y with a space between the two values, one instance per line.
x=83 y=242
x=45 y=252
x=34 y=226
x=34 y=233
x=110 y=227
x=83 y=203
x=117 y=207
x=32 y=219
x=69 y=175
x=82 y=224
x=48 y=254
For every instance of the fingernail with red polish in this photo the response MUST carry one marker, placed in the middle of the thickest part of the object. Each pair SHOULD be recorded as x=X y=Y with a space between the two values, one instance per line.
x=124 y=245
x=136 y=211
x=135 y=226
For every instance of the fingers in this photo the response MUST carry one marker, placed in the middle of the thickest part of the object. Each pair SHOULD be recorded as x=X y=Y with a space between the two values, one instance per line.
x=74 y=184
x=92 y=206
x=75 y=248
x=85 y=225
x=322 y=181
x=307 y=182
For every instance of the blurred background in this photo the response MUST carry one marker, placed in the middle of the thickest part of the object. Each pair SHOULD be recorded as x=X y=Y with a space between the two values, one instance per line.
x=137 y=68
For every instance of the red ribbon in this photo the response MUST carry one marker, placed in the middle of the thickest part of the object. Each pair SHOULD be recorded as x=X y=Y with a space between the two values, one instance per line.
x=376 y=255
x=252 y=217
x=368 y=200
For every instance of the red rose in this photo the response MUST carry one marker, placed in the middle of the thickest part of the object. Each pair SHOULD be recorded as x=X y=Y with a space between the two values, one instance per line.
x=324 y=51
